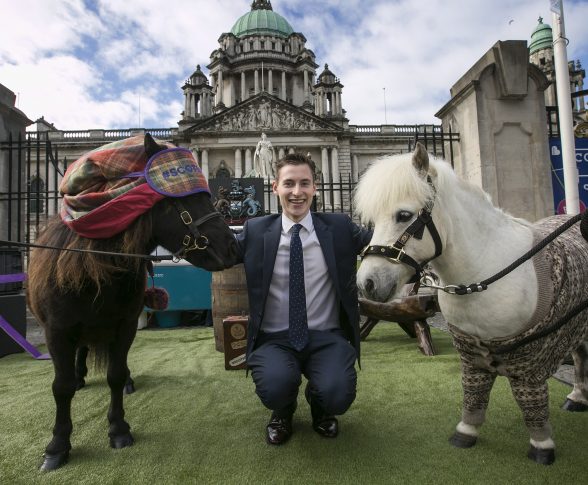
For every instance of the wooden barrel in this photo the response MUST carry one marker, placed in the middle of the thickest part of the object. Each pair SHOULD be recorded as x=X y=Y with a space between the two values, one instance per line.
x=229 y=298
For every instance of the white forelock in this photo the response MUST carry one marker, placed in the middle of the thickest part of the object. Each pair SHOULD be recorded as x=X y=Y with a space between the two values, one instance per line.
x=393 y=179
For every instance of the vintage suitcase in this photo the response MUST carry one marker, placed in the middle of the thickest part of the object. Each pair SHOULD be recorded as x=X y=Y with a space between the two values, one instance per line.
x=235 y=341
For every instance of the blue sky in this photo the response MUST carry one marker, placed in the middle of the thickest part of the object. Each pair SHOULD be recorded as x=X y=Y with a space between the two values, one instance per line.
x=121 y=64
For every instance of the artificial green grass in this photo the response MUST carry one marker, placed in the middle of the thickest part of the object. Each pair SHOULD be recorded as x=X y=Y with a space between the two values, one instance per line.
x=194 y=422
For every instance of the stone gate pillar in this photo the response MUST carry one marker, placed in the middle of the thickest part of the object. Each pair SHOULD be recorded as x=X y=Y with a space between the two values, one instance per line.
x=498 y=109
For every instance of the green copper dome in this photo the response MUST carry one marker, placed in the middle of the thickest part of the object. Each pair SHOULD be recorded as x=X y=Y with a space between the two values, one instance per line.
x=541 y=37
x=262 y=20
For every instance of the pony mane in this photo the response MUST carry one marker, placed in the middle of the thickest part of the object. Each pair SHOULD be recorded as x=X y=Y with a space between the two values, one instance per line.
x=71 y=271
x=386 y=182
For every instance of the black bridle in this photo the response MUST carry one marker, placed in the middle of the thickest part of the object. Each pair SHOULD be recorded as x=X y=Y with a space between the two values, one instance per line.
x=195 y=240
x=396 y=254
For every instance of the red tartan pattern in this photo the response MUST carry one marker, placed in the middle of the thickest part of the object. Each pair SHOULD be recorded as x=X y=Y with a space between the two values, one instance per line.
x=105 y=190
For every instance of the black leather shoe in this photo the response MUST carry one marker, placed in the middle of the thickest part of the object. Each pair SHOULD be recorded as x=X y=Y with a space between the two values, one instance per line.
x=278 y=430
x=328 y=426
x=325 y=425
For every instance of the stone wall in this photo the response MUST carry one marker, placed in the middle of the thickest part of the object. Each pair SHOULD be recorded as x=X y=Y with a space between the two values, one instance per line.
x=498 y=108
x=13 y=123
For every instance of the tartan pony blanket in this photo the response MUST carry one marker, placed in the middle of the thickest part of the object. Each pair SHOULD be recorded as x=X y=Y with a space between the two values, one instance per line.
x=106 y=189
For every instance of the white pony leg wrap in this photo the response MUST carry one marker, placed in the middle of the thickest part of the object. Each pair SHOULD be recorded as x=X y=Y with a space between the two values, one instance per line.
x=468 y=429
x=577 y=396
x=547 y=444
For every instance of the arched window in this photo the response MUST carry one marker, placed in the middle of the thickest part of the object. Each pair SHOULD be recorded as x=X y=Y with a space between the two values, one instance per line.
x=223 y=171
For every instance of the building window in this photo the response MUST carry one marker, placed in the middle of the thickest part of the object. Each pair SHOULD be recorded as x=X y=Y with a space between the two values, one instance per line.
x=273 y=46
x=262 y=44
x=250 y=46
x=36 y=200
x=542 y=61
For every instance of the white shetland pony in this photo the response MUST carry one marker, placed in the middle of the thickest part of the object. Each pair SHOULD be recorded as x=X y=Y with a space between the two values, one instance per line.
x=509 y=328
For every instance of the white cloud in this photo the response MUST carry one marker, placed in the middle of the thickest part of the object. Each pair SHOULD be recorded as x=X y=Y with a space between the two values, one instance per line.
x=146 y=48
x=32 y=29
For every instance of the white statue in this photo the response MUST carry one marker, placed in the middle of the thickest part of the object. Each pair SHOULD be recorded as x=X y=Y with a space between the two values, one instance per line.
x=263 y=159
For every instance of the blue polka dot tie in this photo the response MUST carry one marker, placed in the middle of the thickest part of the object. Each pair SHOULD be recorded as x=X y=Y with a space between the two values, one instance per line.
x=298 y=330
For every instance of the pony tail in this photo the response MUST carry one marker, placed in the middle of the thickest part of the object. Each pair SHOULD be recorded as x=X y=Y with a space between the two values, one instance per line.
x=99 y=356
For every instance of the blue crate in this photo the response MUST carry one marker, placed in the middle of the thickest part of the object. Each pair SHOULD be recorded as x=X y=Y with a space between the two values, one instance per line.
x=189 y=288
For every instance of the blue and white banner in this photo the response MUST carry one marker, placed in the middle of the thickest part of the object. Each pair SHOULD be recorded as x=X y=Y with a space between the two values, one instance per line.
x=557 y=178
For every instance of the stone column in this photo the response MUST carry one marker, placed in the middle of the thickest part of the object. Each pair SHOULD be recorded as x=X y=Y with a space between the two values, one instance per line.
x=283 y=93
x=355 y=168
x=194 y=150
x=238 y=163
x=231 y=97
x=219 y=88
x=243 y=93
x=305 y=73
x=256 y=81
x=248 y=164
x=204 y=167
x=270 y=82
x=207 y=105
x=336 y=176
x=326 y=175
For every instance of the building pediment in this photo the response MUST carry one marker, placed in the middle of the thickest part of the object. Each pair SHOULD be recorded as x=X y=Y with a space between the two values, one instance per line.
x=263 y=112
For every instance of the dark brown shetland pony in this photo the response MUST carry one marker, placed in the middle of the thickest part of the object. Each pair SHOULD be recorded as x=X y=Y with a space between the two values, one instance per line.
x=95 y=300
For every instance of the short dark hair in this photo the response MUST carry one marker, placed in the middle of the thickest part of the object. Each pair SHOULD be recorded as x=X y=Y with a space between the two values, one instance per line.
x=295 y=159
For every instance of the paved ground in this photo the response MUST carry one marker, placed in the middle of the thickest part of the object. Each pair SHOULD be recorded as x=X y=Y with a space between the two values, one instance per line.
x=564 y=374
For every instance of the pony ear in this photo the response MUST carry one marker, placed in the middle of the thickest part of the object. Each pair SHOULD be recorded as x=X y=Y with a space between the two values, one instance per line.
x=151 y=147
x=420 y=158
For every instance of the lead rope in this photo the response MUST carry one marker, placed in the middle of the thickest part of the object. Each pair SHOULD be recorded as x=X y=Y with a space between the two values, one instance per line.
x=483 y=285
x=147 y=257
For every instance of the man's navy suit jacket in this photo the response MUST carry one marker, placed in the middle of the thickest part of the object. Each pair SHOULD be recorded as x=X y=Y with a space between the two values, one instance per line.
x=341 y=241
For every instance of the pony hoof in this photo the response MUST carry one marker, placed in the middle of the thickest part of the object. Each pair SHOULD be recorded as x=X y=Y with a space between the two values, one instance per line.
x=53 y=462
x=541 y=456
x=121 y=441
x=129 y=388
x=574 y=406
x=462 y=440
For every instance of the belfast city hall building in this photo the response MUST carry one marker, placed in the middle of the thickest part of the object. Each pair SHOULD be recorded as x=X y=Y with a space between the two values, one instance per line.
x=264 y=86
x=263 y=79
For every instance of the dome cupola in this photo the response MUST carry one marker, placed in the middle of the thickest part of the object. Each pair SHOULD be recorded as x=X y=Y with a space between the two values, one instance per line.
x=262 y=20
x=541 y=38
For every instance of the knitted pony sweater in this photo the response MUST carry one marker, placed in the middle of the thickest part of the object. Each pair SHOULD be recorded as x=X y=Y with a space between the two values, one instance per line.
x=562 y=278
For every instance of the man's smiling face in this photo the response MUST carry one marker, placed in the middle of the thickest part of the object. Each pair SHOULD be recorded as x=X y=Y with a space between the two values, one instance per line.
x=294 y=185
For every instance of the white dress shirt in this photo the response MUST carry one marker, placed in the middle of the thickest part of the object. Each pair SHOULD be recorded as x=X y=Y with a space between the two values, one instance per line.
x=321 y=299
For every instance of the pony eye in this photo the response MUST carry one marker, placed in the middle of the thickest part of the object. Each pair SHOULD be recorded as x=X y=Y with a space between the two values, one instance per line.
x=403 y=216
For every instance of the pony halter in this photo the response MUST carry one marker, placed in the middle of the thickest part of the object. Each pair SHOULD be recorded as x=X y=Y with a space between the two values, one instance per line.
x=396 y=254
x=194 y=240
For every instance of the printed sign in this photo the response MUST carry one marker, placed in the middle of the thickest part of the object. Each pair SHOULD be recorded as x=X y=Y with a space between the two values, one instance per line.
x=557 y=177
